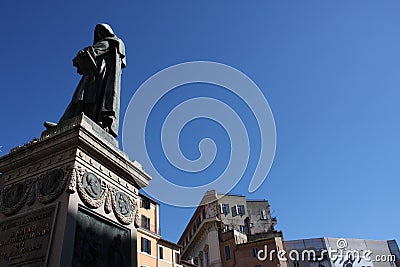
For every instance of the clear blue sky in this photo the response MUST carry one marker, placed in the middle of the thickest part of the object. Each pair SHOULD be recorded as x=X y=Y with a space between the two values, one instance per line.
x=329 y=69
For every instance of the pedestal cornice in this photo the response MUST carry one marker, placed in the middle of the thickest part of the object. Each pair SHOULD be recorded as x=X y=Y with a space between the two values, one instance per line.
x=88 y=139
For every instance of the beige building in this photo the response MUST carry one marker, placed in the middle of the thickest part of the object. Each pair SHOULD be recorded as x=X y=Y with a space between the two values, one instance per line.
x=221 y=228
x=152 y=250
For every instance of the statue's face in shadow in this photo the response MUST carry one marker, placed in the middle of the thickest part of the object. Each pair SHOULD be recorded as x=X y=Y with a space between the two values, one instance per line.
x=101 y=33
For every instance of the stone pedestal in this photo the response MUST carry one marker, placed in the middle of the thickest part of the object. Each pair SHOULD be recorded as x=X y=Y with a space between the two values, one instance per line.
x=69 y=198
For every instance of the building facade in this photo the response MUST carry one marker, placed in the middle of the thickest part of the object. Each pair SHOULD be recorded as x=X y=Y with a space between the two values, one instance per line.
x=152 y=250
x=246 y=254
x=220 y=229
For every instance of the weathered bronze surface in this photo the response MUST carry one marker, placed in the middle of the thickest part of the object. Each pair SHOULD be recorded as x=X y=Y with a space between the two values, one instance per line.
x=99 y=242
x=98 y=92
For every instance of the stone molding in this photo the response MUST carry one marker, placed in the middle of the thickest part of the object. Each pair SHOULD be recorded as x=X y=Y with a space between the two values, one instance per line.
x=78 y=134
x=95 y=191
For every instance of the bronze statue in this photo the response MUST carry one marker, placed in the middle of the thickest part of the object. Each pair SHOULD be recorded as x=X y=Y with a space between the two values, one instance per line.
x=98 y=92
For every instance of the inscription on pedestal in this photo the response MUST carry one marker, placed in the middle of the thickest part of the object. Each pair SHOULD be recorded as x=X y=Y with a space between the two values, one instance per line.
x=25 y=240
x=100 y=242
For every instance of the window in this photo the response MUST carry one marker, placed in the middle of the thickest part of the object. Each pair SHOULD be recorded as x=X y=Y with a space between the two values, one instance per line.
x=145 y=222
x=161 y=253
x=258 y=265
x=263 y=214
x=224 y=209
x=242 y=229
x=204 y=214
x=227 y=253
x=177 y=258
x=240 y=209
x=234 y=211
x=145 y=203
x=146 y=245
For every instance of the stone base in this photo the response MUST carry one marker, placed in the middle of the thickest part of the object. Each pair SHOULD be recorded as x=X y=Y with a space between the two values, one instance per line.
x=69 y=198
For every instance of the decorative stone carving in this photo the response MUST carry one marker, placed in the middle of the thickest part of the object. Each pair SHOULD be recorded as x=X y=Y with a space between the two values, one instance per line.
x=92 y=190
x=74 y=172
x=108 y=204
x=50 y=185
x=123 y=204
x=13 y=198
x=45 y=188
x=136 y=214
x=92 y=185
x=49 y=182
x=123 y=207
x=32 y=192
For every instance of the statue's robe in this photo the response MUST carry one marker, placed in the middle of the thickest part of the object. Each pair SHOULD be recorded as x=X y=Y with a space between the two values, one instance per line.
x=98 y=93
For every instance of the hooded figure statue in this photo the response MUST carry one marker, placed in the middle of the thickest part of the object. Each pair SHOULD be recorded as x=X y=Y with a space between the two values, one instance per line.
x=98 y=92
